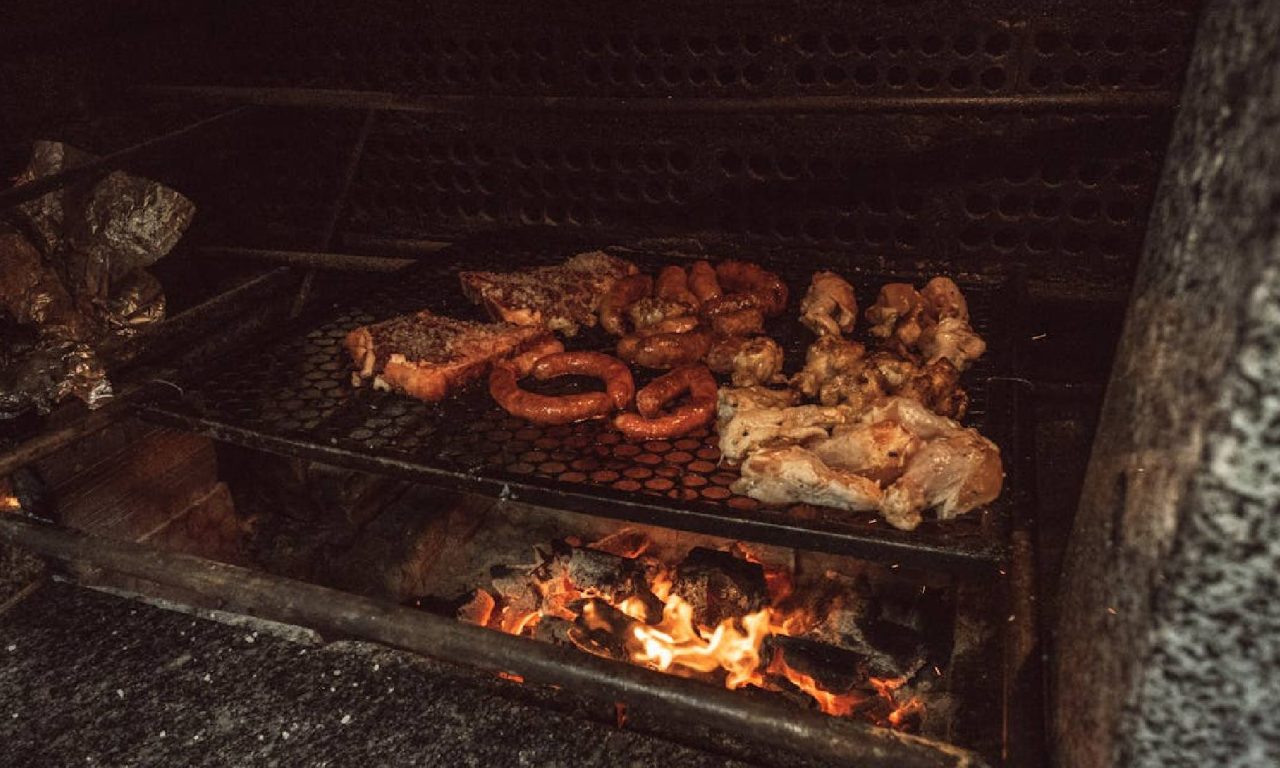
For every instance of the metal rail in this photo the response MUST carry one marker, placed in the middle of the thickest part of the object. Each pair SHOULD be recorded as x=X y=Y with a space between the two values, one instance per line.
x=103 y=165
x=1120 y=101
x=346 y=262
x=329 y=610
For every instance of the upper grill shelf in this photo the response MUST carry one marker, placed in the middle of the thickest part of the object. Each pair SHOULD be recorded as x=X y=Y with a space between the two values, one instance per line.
x=294 y=396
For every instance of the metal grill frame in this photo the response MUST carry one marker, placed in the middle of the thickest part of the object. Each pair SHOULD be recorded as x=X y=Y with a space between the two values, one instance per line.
x=344 y=430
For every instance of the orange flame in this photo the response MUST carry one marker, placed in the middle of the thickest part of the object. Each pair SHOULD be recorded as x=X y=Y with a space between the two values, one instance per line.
x=677 y=644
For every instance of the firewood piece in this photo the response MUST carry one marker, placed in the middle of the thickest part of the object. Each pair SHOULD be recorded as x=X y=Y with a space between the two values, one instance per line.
x=602 y=629
x=478 y=609
x=835 y=670
x=720 y=586
x=625 y=542
x=554 y=630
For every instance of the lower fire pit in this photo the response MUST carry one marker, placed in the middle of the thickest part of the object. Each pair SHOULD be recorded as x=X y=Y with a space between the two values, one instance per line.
x=898 y=648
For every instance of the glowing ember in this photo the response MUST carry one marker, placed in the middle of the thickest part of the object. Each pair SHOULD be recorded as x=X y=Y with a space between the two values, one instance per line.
x=677 y=644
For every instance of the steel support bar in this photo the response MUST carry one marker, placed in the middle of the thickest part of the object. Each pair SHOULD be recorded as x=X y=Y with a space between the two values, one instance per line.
x=332 y=261
x=1116 y=101
x=329 y=610
x=103 y=165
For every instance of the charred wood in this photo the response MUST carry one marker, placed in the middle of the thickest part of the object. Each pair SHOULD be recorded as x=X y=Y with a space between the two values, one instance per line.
x=720 y=586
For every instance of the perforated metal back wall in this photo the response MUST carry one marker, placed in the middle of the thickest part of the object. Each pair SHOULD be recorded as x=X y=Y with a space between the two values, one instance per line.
x=1061 y=190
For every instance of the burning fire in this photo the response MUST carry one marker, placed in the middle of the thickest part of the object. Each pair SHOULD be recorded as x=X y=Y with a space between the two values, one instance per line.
x=676 y=644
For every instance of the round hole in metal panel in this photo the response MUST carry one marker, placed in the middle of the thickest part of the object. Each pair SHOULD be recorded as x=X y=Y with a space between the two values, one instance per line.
x=1075 y=75
x=977 y=204
x=960 y=78
x=928 y=79
x=1091 y=173
x=866 y=74
x=997 y=44
x=1083 y=42
x=1046 y=206
x=1047 y=41
x=1120 y=211
x=1111 y=76
x=973 y=237
x=1085 y=209
x=1118 y=42
x=1040 y=241
x=1154 y=42
x=931 y=45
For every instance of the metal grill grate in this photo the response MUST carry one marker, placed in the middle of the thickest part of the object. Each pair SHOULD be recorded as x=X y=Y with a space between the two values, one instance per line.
x=295 y=397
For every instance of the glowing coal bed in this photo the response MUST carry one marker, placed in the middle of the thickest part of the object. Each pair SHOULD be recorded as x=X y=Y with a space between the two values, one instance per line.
x=850 y=638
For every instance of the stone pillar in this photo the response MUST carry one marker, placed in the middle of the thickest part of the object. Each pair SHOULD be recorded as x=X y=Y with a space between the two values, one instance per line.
x=1168 y=644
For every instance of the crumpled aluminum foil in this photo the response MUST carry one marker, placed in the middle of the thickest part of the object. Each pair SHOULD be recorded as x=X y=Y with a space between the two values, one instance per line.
x=75 y=277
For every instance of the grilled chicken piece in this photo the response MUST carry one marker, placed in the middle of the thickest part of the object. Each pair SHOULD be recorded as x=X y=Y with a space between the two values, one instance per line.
x=731 y=399
x=897 y=314
x=791 y=474
x=757 y=362
x=827 y=358
x=943 y=298
x=839 y=372
x=829 y=307
x=933 y=322
x=746 y=423
x=953 y=474
x=918 y=458
x=953 y=341
x=878 y=450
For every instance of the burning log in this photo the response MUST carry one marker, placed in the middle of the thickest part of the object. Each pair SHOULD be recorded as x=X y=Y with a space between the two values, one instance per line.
x=521 y=601
x=848 y=619
x=573 y=572
x=478 y=610
x=602 y=630
x=554 y=630
x=833 y=669
x=720 y=586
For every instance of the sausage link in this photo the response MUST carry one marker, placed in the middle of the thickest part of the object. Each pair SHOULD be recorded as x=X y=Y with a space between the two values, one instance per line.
x=745 y=277
x=703 y=282
x=523 y=362
x=665 y=350
x=744 y=322
x=613 y=372
x=652 y=424
x=544 y=409
x=673 y=285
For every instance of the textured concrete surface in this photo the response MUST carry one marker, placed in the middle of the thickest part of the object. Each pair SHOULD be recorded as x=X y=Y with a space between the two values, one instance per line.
x=1169 y=640
x=93 y=679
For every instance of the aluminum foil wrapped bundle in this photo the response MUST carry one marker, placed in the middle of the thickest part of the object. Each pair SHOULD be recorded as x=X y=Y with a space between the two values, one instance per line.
x=75 y=279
